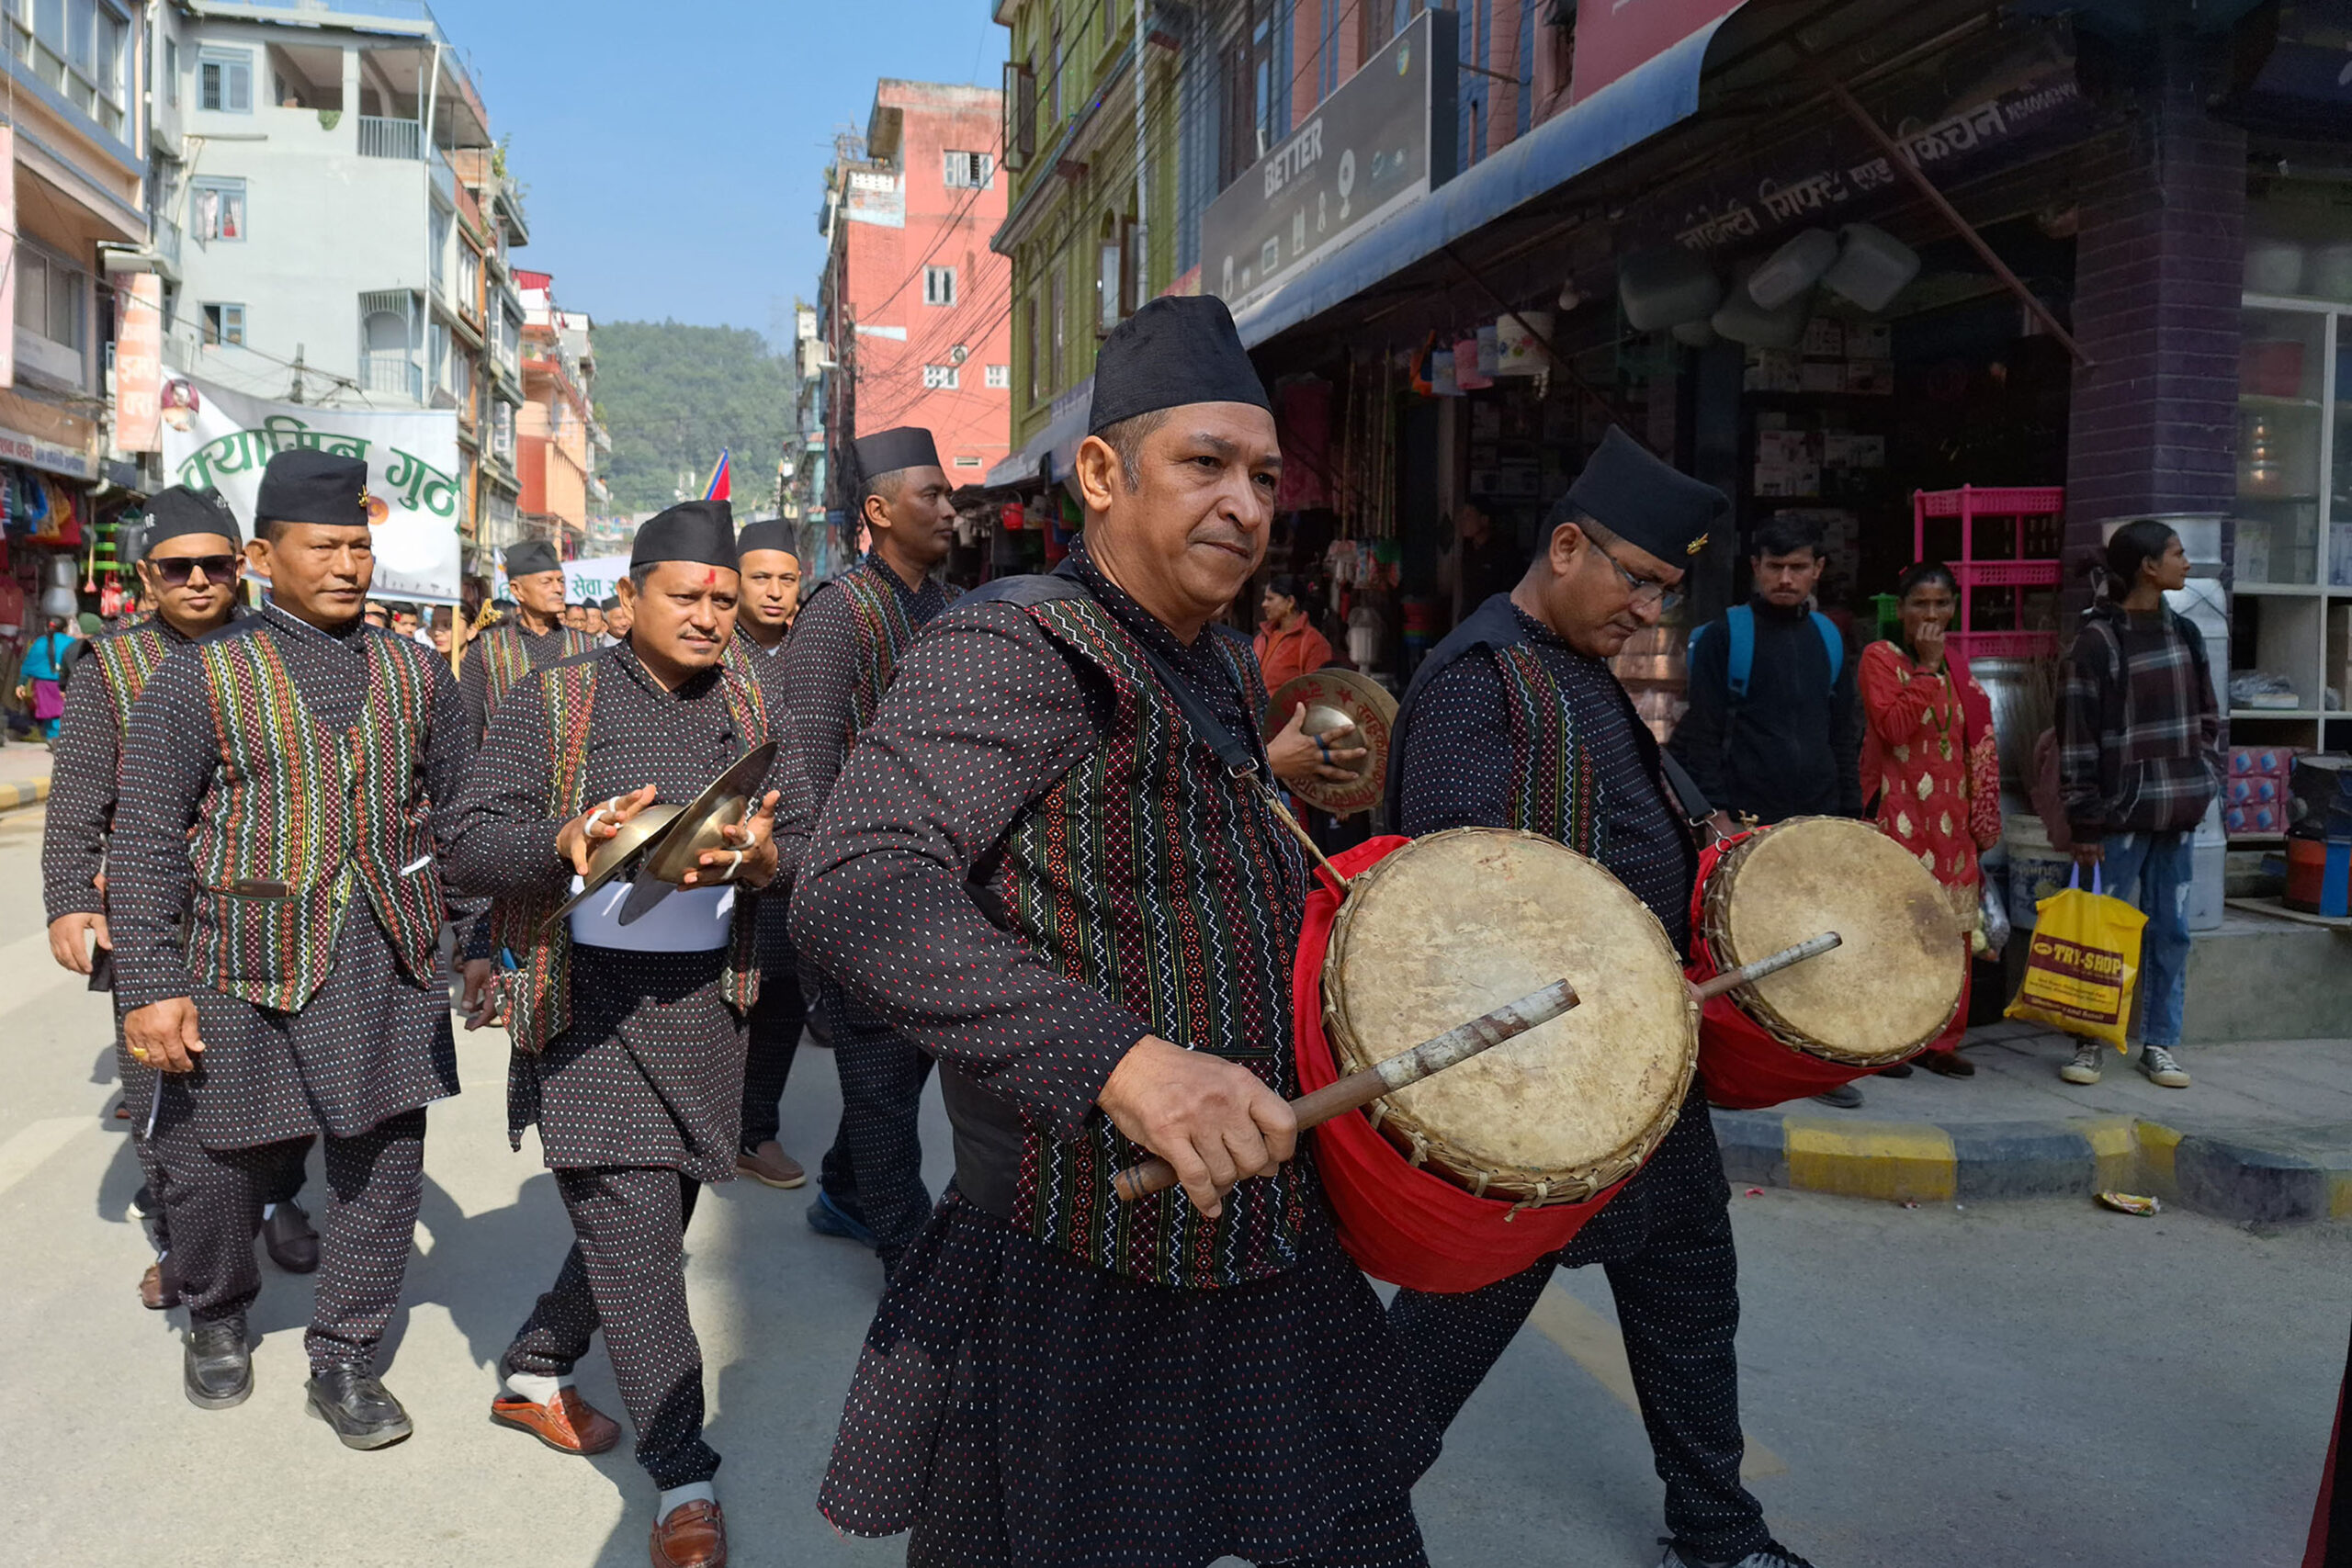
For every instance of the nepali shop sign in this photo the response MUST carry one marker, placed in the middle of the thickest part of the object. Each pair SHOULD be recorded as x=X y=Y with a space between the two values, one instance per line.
x=216 y=437
x=1377 y=144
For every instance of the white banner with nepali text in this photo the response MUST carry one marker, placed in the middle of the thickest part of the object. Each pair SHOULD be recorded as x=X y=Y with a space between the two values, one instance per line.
x=224 y=439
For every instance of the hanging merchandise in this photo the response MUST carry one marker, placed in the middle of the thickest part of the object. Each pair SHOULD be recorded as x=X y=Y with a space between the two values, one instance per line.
x=1744 y=321
x=1467 y=376
x=1490 y=353
x=1423 y=373
x=1012 y=517
x=1695 y=334
x=1872 y=268
x=1519 y=342
x=1793 y=269
x=1663 y=287
x=1445 y=373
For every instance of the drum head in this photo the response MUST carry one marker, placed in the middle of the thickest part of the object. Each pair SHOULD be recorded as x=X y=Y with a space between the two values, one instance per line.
x=1460 y=922
x=1334 y=697
x=1893 y=983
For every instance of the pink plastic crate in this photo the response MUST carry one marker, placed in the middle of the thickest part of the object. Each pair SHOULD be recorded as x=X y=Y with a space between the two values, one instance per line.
x=2014 y=501
x=2007 y=573
x=2006 y=645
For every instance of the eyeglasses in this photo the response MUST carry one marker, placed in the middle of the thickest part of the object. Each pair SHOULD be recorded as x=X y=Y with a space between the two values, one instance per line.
x=176 y=570
x=1644 y=589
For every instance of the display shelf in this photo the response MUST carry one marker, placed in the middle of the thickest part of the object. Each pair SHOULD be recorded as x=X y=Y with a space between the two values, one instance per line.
x=2004 y=644
x=2007 y=573
x=2239 y=716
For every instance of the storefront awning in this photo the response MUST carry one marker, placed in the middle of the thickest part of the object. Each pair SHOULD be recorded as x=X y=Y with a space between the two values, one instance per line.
x=1637 y=105
x=1057 y=443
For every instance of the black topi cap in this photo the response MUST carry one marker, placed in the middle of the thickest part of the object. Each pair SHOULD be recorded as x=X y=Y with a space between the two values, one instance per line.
x=308 y=486
x=530 y=558
x=698 y=530
x=1644 y=501
x=179 y=510
x=772 y=534
x=1177 y=349
x=608 y=604
x=888 y=451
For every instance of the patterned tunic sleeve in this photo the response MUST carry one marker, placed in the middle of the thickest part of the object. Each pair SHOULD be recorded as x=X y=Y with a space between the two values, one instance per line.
x=500 y=842
x=168 y=760
x=1456 y=775
x=81 y=798
x=983 y=717
x=474 y=686
x=820 y=674
x=449 y=758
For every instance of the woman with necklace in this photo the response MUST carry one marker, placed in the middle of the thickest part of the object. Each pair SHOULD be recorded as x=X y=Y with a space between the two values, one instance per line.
x=1929 y=763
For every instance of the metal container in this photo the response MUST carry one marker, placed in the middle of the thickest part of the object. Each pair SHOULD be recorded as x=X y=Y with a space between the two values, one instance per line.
x=2023 y=695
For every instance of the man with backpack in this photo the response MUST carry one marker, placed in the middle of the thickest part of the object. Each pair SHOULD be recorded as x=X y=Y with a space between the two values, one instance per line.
x=1774 y=731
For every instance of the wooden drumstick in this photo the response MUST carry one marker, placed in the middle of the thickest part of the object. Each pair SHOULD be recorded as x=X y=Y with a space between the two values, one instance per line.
x=1358 y=1089
x=1772 y=964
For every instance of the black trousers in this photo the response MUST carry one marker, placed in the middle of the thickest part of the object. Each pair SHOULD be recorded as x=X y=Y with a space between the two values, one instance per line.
x=213 y=1198
x=626 y=1274
x=875 y=1168
x=774 y=1030
x=1672 y=1266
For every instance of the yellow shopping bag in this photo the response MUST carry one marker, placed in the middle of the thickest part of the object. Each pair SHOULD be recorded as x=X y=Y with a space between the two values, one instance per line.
x=2082 y=962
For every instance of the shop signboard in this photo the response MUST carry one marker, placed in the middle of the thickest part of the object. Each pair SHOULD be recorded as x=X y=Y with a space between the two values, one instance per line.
x=1614 y=37
x=40 y=451
x=221 y=439
x=1377 y=144
x=7 y=255
x=138 y=363
x=1957 y=118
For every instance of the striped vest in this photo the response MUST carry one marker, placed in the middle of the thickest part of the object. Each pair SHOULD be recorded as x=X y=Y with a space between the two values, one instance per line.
x=883 y=632
x=1553 y=791
x=299 y=821
x=537 y=952
x=125 y=660
x=1147 y=875
x=506 y=658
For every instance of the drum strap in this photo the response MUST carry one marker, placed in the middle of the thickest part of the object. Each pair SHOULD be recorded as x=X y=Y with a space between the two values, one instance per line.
x=1236 y=753
x=1696 y=807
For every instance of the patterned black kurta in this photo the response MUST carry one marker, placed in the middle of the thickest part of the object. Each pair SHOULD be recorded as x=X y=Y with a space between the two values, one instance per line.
x=830 y=674
x=1015 y=1404
x=373 y=1041
x=650 y=1071
x=543 y=648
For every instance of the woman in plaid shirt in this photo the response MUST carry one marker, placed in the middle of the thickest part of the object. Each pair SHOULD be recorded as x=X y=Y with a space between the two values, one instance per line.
x=2140 y=759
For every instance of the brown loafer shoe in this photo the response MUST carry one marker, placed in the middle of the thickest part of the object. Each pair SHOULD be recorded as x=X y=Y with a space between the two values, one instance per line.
x=771 y=1166
x=1946 y=1063
x=155 y=1293
x=693 y=1535
x=571 y=1425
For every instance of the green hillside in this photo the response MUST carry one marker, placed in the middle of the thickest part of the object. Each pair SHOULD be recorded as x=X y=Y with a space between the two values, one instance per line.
x=672 y=395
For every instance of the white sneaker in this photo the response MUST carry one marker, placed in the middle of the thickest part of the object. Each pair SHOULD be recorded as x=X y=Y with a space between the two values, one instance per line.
x=2084 y=1069
x=2162 y=1070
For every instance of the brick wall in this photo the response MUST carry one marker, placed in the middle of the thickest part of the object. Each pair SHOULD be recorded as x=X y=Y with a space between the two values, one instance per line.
x=2158 y=265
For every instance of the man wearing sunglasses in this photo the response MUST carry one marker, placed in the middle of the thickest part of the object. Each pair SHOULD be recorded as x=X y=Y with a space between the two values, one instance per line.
x=190 y=571
x=1521 y=692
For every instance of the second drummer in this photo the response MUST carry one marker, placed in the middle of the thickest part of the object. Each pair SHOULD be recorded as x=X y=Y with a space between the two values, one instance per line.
x=1516 y=721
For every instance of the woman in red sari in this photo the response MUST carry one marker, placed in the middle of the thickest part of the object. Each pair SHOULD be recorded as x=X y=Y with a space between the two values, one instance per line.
x=1929 y=760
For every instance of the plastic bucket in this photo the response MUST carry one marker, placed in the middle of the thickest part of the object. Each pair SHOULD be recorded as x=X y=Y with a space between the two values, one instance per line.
x=2036 y=871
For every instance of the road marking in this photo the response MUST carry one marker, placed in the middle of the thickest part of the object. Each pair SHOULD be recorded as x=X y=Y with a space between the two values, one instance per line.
x=29 y=956
x=1594 y=1344
x=35 y=1143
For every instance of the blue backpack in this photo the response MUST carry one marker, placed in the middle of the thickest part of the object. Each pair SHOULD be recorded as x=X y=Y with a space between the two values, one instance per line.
x=1741 y=619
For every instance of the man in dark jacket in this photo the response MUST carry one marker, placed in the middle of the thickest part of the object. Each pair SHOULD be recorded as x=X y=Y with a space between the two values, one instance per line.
x=1774 y=731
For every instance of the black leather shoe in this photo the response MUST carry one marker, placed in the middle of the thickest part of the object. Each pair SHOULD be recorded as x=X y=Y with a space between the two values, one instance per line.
x=217 y=1365
x=287 y=1238
x=361 y=1409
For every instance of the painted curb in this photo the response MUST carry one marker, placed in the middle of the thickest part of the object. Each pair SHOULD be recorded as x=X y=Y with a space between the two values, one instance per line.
x=25 y=792
x=2273 y=1176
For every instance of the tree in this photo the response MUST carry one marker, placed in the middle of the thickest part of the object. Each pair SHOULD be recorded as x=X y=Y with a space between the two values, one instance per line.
x=673 y=395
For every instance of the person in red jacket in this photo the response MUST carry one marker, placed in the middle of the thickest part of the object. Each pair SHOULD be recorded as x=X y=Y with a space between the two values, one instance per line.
x=1287 y=643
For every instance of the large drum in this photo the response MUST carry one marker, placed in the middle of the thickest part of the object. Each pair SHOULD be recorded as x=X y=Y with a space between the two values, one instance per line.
x=1471 y=1175
x=1879 y=997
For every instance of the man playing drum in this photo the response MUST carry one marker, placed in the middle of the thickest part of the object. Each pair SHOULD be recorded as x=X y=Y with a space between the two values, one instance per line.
x=1051 y=859
x=1516 y=721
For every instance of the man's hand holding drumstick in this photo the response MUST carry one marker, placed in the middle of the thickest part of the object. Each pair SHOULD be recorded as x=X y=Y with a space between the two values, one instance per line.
x=1215 y=1121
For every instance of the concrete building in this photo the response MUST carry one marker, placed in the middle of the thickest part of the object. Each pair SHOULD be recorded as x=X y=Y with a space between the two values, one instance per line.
x=556 y=438
x=913 y=313
x=332 y=222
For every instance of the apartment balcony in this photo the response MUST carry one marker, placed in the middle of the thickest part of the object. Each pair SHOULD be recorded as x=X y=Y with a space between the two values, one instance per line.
x=382 y=137
x=396 y=374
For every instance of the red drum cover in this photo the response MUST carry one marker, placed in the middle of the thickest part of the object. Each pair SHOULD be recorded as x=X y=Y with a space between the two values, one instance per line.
x=1400 y=1224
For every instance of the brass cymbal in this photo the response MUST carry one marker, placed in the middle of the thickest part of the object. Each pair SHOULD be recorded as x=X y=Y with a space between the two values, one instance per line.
x=679 y=846
x=617 y=852
x=1335 y=697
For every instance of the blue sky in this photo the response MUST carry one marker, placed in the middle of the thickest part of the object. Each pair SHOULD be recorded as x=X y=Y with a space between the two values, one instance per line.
x=673 y=153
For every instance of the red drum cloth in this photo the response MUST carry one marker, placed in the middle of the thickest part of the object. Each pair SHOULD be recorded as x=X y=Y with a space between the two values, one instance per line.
x=1400 y=1224
x=1742 y=1066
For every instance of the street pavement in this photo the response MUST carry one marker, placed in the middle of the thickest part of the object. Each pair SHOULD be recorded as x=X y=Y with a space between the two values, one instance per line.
x=2027 y=1382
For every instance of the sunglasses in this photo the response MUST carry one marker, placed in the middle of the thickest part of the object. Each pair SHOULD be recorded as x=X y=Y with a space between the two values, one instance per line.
x=177 y=569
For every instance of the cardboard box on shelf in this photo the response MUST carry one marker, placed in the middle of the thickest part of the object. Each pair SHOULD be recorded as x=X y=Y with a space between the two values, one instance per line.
x=1870 y=340
x=1824 y=338
x=1871 y=378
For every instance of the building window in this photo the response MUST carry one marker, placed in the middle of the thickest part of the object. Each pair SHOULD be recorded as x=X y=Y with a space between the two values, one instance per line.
x=219 y=209
x=967 y=462
x=172 y=71
x=1106 y=285
x=77 y=46
x=939 y=286
x=49 y=297
x=997 y=377
x=224 y=323
x=225 y=80
x=941 y=377
x=969 y=171
x=1055 y=326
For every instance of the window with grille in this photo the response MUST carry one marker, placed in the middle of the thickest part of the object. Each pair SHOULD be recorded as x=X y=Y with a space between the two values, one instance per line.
x=969 y=171
x=224 y=81
x=224 y=323
x=998 y=378
x=941 y=377
x=939 y=286
x=218 y=207
x=49 y=297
